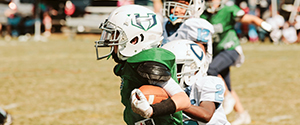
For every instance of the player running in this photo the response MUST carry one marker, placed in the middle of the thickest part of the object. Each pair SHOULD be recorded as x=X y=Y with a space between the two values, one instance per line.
x=183 y=22
x=206 y=93
x=227 y=50
x=133 y=32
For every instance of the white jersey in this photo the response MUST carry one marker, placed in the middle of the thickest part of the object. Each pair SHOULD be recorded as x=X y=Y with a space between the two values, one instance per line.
x=194 y=29
x=209 y=88
x=276 y=22
x=290 y=34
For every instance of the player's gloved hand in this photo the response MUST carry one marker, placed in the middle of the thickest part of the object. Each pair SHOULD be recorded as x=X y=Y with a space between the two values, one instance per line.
x=139 y=104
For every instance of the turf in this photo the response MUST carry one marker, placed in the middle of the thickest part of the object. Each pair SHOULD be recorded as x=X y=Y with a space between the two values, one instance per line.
x=61 y=82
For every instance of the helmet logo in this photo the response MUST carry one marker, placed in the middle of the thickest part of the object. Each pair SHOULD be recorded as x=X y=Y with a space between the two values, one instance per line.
x=195 y=48
x=144 y=22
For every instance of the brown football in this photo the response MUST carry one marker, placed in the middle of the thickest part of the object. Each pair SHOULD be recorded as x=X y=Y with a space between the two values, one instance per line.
x=154 y=94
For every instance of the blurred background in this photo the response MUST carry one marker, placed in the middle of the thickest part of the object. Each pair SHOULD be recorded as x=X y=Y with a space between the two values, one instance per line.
x=23 y=19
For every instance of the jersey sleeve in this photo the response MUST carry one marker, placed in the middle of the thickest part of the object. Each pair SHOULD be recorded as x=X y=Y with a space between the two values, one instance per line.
x=213 y=89
x=171 y=87
x=118 y=69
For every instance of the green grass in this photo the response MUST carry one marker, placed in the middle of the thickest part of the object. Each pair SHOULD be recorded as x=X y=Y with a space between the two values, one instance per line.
x=61 y=82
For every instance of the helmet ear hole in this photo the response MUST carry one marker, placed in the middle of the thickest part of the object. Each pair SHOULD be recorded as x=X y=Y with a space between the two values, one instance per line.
x=134 y=41
x=179 y=68
x=142 y=37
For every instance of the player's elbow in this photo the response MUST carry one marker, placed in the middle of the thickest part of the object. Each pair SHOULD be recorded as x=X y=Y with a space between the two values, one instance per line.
x=205 y=118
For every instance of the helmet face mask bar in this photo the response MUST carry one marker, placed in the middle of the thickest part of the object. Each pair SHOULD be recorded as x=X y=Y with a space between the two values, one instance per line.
x=111 y=36
x=186 y=69
x=170 y=14
x=128 y=30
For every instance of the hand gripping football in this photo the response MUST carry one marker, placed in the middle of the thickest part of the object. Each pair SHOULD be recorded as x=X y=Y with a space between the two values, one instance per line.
x=154 y=94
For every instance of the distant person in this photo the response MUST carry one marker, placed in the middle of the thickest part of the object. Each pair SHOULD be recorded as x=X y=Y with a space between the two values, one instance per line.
x=227 y=50
x=13 y=22
x=0 y=29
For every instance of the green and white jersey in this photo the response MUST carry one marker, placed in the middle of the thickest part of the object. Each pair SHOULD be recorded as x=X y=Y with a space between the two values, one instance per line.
x=225 y=37
x=131 y=80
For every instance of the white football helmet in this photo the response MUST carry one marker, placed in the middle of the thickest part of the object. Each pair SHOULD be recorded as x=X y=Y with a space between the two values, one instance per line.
x=190 y=60
x=131 y=28
x=194 y=9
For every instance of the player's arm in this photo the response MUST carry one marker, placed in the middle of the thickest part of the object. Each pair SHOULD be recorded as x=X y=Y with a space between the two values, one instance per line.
x=158 y=74
x=178 y=101
x=203 y=112
x=212 y=94
x=179 y=97
x=251 y=19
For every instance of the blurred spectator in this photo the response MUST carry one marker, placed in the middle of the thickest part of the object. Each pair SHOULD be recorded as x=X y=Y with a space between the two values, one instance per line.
x=277 y=23
x=252 y=32
x=157 y=5
x=242 y=29
x=13 y=20
x=47 y=21
x=246 y=31
x=289 y=34
x=297 y=26
x=0 y=29
x=44 y=13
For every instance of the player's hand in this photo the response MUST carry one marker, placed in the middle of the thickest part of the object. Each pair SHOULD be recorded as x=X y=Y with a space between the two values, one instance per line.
x=139 y=104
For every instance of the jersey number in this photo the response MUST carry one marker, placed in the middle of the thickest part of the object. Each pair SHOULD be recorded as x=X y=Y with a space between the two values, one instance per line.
x=219 y=93
x=203 y=35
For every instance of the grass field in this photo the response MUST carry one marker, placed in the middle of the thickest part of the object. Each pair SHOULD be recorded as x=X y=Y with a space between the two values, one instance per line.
x=60 y=82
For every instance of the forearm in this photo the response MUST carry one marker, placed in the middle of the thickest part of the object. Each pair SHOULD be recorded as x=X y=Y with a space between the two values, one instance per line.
x=202 y=113
x=251 y=19
x=179 y=97
x=181 y=101
x=197 y=113
x=176 y=103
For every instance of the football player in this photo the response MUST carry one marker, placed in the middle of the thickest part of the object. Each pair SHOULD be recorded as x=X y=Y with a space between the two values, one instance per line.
x=227 y=50
x=206 y=93
x=176 y=12
x=183 y=22
x=134 y=34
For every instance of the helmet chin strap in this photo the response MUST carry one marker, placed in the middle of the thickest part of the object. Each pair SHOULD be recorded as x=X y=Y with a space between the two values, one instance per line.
x=174 y=20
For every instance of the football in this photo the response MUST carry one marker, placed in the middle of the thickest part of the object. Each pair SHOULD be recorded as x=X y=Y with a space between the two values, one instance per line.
x=154 y=94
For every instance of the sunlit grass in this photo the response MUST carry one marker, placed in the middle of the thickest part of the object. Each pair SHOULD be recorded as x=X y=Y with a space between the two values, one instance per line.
x=61 y=82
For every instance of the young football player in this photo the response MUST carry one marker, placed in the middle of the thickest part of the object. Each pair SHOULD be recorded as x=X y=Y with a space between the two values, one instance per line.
x=133 y=32
x=183 y=22
x=176 y=12
x=206 y=93
x=227 y=50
